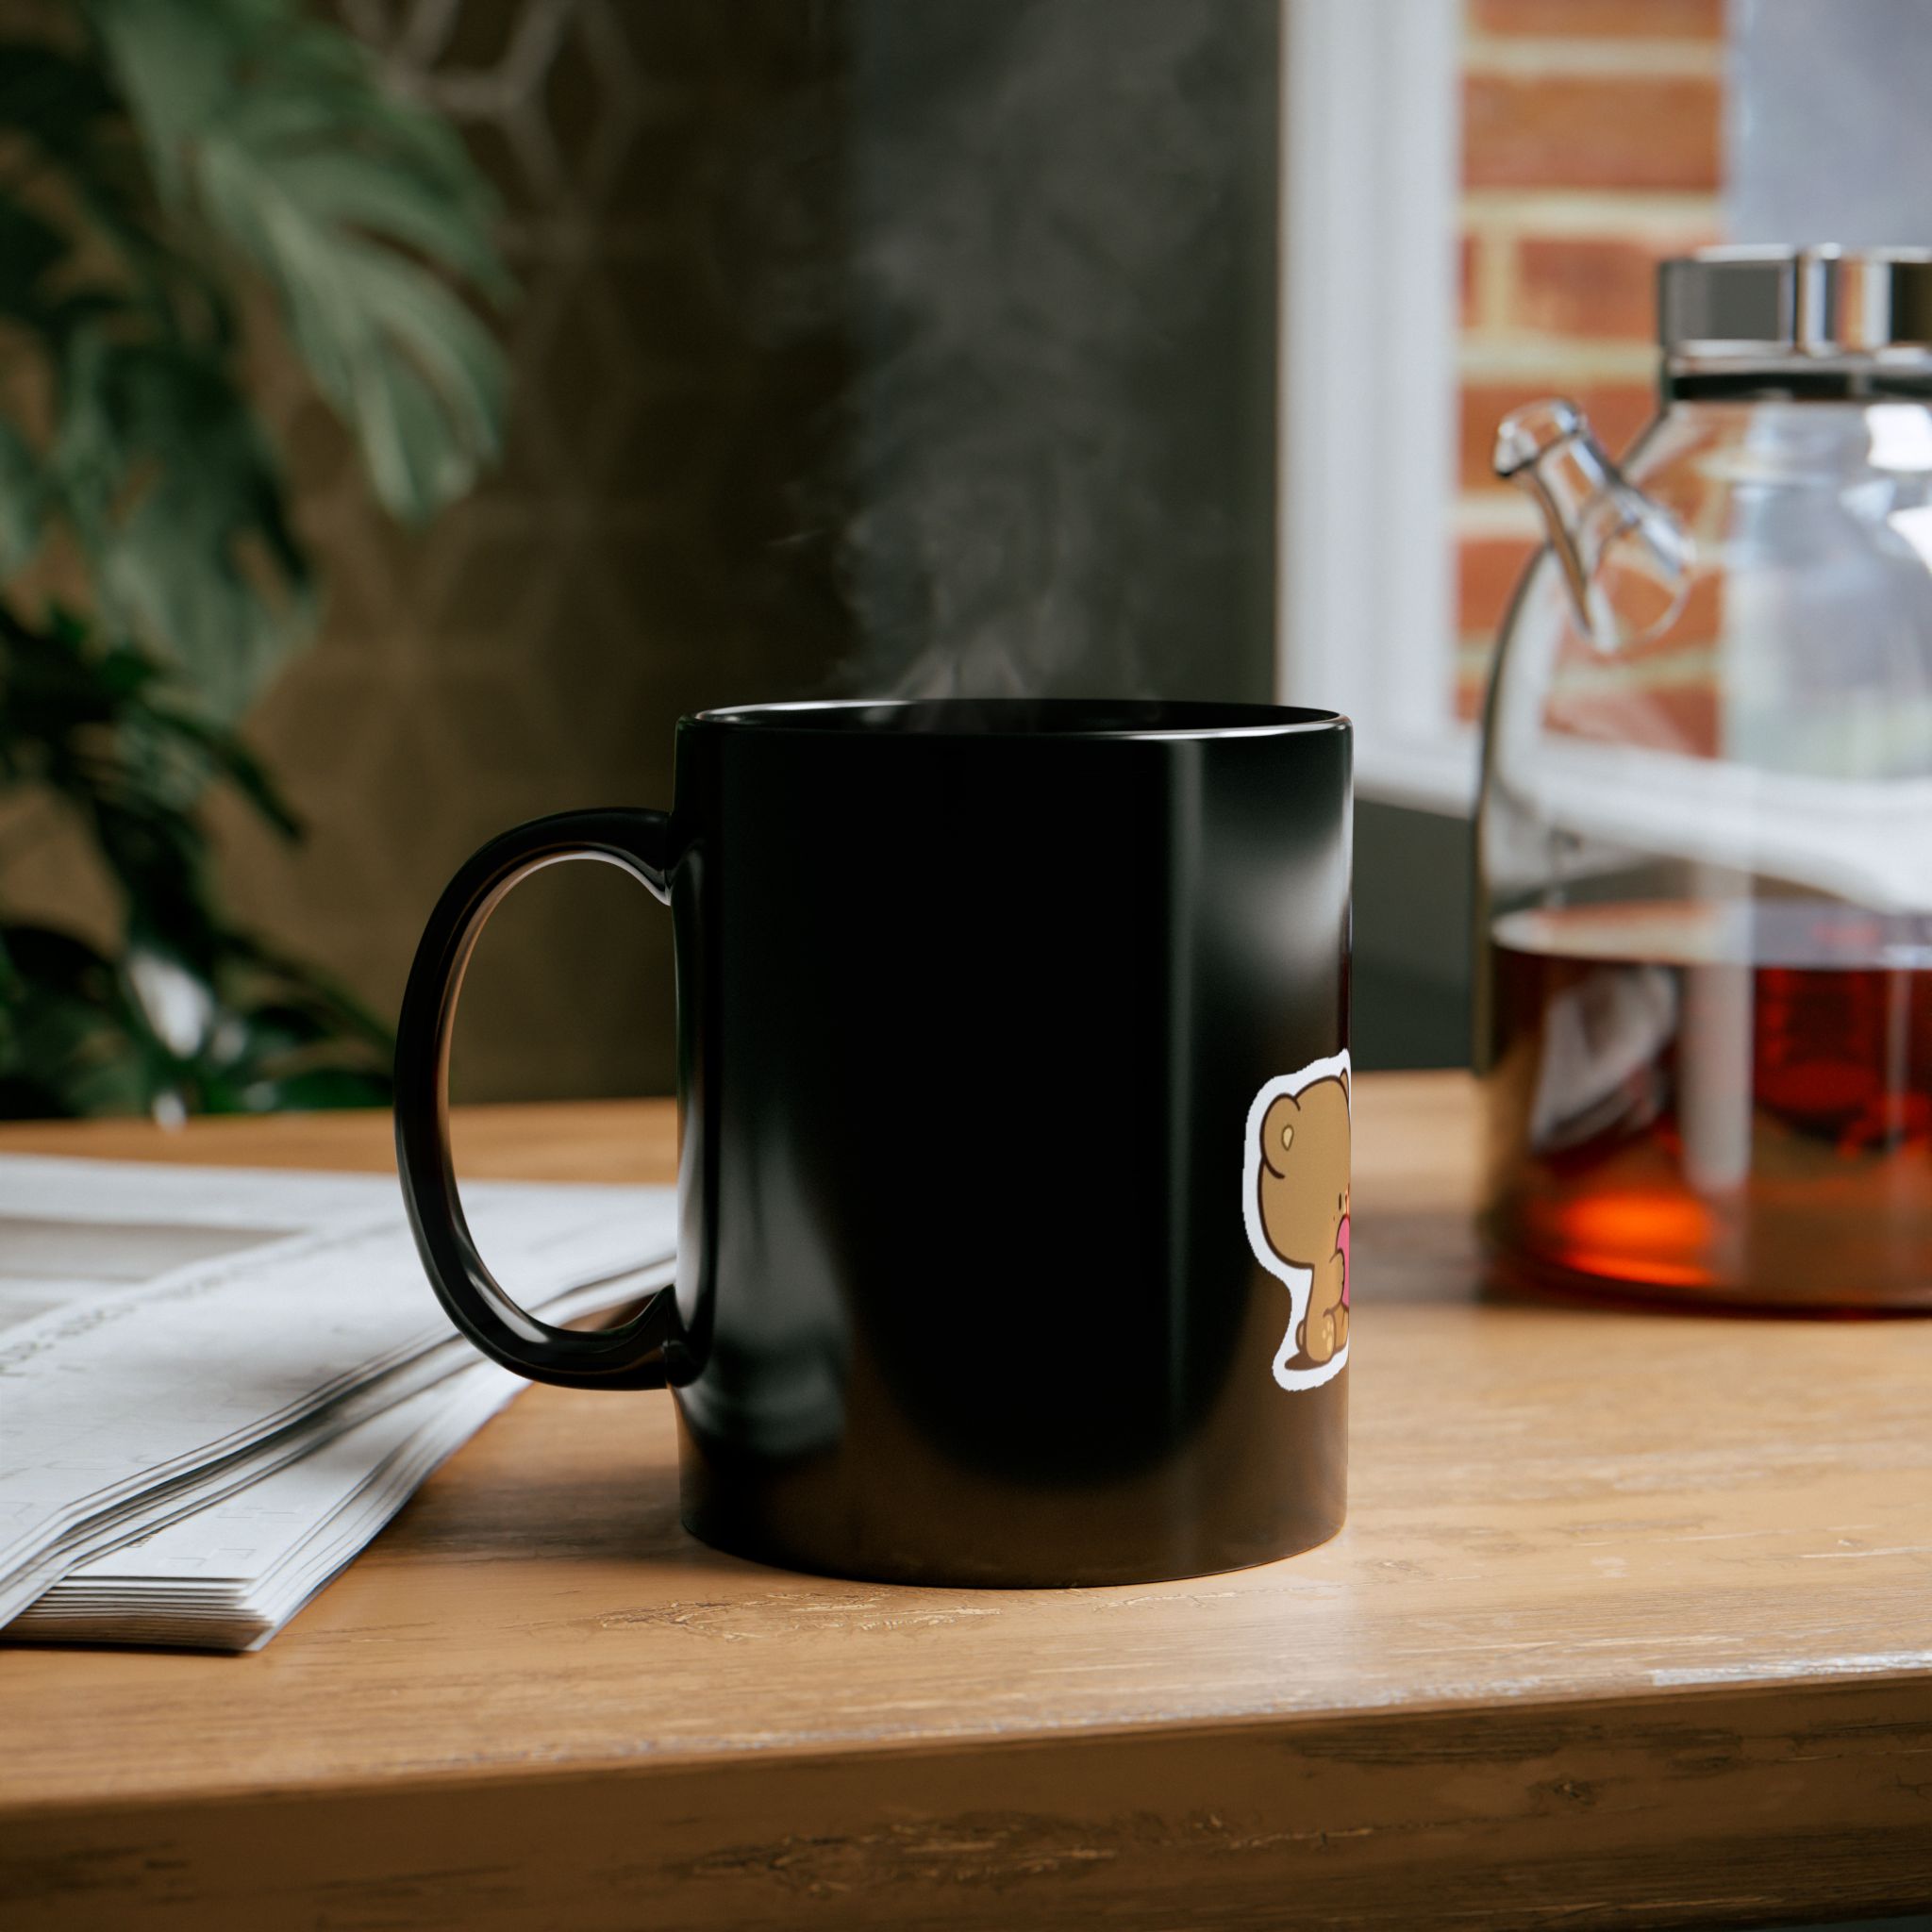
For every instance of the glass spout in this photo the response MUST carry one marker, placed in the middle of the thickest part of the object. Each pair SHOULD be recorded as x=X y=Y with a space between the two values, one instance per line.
x=1626 y=558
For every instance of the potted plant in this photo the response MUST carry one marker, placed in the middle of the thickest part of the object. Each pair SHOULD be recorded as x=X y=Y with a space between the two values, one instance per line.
x=171 y=172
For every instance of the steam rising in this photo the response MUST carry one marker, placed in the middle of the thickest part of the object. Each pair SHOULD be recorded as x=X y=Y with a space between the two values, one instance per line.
x=1062 y=416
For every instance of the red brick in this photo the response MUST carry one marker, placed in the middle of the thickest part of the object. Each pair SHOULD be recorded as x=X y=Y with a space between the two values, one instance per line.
x=1573 y=130
x=1486 y=571
x=1683 y=648
x=1681 y=718
x=1617 y=410
x=1700 y=623
x=1587 y=287
x=1609 y=20
x=1472 y=687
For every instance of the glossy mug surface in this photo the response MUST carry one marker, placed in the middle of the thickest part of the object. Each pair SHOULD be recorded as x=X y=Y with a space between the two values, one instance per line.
x=1015 y=1112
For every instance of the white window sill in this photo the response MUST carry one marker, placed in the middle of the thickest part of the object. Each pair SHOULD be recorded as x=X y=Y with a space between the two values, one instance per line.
x=1435 y=774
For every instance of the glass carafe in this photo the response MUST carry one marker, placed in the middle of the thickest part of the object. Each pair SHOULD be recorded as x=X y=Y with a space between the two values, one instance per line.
x=1704 y=838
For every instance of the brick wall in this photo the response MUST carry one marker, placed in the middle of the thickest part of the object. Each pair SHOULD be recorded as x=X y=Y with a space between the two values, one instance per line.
x=1591 y=148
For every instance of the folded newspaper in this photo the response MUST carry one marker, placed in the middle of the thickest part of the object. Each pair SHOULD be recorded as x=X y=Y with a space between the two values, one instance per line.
x=216 y=1385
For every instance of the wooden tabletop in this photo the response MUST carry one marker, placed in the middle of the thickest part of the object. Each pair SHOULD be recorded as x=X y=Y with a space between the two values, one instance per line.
x=1631 y=1624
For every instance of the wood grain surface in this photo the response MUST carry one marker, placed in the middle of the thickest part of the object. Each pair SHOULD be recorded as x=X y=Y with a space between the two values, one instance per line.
x=1631 y=1626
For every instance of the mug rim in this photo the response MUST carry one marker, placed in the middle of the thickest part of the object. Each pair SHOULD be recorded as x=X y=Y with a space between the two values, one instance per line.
x=1170 y=719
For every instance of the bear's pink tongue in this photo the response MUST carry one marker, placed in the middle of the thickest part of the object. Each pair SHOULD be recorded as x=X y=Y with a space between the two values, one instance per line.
x=1342 y=1249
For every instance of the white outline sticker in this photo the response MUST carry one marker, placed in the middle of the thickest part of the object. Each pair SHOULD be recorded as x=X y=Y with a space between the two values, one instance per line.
x=1299 y=1281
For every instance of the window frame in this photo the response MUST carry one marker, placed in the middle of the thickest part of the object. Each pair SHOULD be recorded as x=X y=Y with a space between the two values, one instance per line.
x=1370 y=171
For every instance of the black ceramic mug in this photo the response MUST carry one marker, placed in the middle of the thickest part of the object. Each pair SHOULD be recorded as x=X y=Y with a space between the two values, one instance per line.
x=1013 y=1083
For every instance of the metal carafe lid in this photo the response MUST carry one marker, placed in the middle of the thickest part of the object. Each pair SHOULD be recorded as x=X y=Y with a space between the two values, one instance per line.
x=1746 y=305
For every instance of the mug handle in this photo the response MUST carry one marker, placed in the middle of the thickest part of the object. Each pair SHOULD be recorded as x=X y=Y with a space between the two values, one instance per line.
x=629 y=1356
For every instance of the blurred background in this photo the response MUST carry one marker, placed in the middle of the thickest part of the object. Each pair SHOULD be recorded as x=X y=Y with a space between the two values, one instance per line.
x=838 y=345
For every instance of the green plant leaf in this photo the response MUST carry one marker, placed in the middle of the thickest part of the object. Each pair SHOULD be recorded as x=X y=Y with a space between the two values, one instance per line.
x=179 y=505
x=232 y=760
x=52 y=97
x=353 y=202
x=161 y=150
x=29 y=248
x=64 y=110
x=318 y=994
x=22 y=499
x=173 y=65
x=65 y=1046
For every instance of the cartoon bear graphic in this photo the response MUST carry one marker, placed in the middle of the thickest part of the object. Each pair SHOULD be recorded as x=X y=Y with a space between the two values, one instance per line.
x=1303 y=1191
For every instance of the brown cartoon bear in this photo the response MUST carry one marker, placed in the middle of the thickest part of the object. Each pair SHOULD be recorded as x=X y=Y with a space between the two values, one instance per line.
x=1305 y=1206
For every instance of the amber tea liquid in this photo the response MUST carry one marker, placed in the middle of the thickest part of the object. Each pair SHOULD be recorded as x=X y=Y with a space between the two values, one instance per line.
x=1718 y=1103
